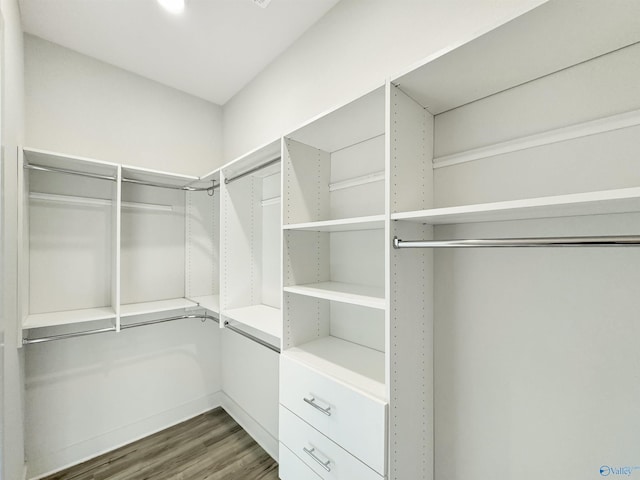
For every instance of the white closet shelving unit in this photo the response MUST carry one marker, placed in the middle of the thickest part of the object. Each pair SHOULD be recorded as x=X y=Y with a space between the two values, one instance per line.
x=527 y=131
x=334 y=289
x=68 y=251
x=100 y=246
x=251 y=245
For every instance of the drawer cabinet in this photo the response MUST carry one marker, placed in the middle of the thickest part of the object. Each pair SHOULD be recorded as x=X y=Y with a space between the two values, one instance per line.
x=323 y=456
x=352 y=419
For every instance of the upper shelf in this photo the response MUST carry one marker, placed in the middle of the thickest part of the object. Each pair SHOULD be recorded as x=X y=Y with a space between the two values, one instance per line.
x=40 y=320
x=625 y=200
x=363 y=295
x=33 y=156
x=516 y=52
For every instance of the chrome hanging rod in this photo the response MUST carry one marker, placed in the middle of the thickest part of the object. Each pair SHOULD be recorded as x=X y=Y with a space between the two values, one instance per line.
x=606 y=241
x=209 y=190
x=31 y=341
x=251 y=337
x=253 y=170
x=41 y=168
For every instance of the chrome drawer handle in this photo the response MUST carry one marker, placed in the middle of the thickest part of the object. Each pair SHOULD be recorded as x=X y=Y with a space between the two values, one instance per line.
x=312 y=401
x=312 y=454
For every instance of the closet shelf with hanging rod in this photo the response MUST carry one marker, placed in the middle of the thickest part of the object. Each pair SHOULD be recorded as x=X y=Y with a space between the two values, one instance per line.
x=51 y=338
x=623 y=200
x=601 y=241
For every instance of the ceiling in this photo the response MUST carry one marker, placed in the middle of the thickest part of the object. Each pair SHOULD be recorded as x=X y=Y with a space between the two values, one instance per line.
x=211 y=50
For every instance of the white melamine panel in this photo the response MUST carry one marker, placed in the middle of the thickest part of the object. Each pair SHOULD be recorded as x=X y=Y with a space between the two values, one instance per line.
x=518 y=52
x=357 y=421
x=411 y=151
x=324 y=457
x=250 y=377
x=364 y=295
x=152 y=246
x=46 y=158
x=361 y=325
x=292 y=468
x=210 y=302
x=202 y=244
x=536 y=349
x=410 y=357
x=38 y=320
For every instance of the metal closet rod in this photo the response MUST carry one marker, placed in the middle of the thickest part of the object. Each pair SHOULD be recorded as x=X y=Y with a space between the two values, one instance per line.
x=604 y=241
x=31 y=341
x=42 y=168
x=251 y=337
x=253 y=170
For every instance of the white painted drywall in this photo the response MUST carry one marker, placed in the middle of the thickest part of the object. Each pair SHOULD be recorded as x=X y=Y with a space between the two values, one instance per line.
x=352 y=49
x=12 y=416
x=79 y=105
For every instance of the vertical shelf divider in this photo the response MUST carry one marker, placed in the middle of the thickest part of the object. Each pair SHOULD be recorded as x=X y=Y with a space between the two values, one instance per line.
x=116 y=247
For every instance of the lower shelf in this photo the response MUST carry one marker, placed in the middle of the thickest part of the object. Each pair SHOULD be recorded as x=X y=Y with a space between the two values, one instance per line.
x=358 y=366
x=133 y=309
x=263 y=321
x=68 y=317
x=210 y=302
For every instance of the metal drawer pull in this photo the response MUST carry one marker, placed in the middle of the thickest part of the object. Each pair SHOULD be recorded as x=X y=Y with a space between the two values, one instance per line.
x=311 y=453
x=312 y=401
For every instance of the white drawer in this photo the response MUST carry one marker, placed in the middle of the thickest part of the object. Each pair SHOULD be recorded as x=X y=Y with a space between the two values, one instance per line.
x=292 y=468
x=354 y=420
x=323 y=456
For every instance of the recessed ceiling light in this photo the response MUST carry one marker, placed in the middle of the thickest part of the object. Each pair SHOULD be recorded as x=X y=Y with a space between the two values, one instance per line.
x=173 y=6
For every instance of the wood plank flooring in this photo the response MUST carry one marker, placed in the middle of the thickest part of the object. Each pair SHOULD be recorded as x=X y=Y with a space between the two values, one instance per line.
x=211 y=446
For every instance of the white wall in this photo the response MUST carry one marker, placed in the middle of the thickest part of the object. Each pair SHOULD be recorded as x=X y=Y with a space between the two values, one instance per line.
x=88 y=395
x=351 y=50
x=78 y=105
x=12 y=134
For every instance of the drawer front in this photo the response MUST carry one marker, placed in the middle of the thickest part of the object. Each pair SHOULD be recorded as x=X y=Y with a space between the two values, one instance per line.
x=292 y=468
x=323 y=456
x=352 y=419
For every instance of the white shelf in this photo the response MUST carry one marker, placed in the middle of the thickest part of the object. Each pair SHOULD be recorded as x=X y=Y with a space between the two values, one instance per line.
x=70 y=162
x=353 y=364
x=40 y=320
x=259 y=318
x=157 y=176
x=364 y=295
x=372 y=222
x=144 y=308
x=626 y=200
x=210 y=302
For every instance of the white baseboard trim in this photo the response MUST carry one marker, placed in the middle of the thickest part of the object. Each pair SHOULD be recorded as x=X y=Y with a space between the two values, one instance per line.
x=267 y=441
x=80 y=452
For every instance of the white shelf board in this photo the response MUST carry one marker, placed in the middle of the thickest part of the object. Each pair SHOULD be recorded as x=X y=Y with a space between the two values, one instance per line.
x=210 y=302
x=252 y=159
x=70 y=162
x=626 y=200
x=373 y=222
x=40 y=320
x=157 y=176
x=350 y=363
x=260 y=318
x=155 y=307
x=364 y=295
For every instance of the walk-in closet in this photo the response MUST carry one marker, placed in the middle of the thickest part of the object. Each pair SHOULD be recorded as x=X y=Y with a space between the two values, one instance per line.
x=404 y=251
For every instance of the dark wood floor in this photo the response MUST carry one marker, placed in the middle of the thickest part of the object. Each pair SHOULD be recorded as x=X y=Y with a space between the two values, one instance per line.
x=211 y=446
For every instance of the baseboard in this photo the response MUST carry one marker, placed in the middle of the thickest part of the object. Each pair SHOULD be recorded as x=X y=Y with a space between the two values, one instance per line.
x=93 y=447
x=267 y=441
